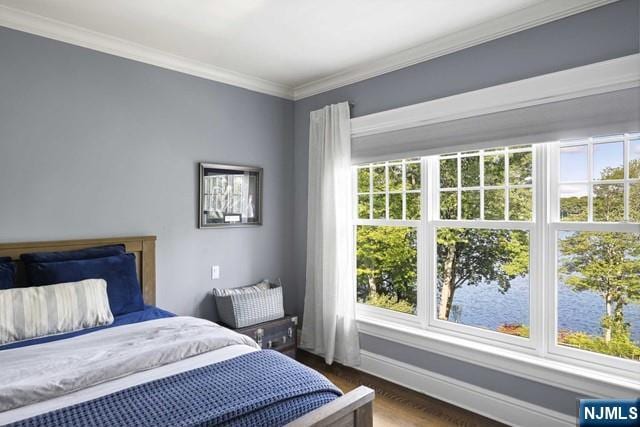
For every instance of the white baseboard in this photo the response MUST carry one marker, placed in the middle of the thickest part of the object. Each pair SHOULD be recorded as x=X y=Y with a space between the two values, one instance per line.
x=490 y=404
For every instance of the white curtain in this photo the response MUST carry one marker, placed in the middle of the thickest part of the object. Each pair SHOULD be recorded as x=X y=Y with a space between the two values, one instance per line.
x=329 y=326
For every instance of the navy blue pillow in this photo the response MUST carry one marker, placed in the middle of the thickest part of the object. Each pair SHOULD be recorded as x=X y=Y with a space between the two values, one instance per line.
x=119 y=271
x=7 y=273
x=89 y=253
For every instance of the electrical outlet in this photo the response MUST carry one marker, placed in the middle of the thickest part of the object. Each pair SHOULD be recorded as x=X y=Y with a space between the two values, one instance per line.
x=215 y=272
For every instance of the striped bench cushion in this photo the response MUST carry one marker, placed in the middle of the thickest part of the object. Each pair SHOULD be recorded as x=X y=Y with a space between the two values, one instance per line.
x=47 y=310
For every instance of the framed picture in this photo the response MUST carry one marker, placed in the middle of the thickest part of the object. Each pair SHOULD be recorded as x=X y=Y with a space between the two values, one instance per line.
x=230 y=196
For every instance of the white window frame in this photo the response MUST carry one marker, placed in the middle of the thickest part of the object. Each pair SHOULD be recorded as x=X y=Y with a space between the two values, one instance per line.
x=601 y=362
x=530 y=344
x=542 y=228
x=376 y=312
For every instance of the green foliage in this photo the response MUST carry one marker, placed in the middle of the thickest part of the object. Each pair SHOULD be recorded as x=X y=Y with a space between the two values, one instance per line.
x=449 y=173
x=608 y=202
x=379 y=180
x=494 y=170
x=387 y=265
x=620 y=346
x=514 y=329
x=468 y=256
x=395 y=177
x=413 y=176
x=634 y=193
x=363 y=180
x=494 y=204
x=484 y=256
x=574 y=208
x=634 y=202
x=470 y=204
x=470 y=171
x=605 y=263
x=520 y=204
x=388 y=302
x=520 y=168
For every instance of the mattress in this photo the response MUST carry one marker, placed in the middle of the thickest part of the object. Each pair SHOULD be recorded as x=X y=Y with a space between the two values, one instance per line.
x=142 y=357
x=113 y=386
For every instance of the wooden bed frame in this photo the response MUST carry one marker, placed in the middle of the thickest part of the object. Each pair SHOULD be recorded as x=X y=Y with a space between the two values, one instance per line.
x=353 y=409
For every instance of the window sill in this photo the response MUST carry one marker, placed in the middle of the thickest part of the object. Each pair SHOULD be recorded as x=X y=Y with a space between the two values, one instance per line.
x=546 y=370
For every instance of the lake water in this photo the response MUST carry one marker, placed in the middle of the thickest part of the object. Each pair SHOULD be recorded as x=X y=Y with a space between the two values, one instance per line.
x=486 y=307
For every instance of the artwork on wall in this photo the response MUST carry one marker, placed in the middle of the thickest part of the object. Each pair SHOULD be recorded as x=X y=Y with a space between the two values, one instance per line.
x=230 y=195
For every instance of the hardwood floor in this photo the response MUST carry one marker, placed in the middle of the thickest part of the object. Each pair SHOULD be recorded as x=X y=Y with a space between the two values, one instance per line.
x=395 y=405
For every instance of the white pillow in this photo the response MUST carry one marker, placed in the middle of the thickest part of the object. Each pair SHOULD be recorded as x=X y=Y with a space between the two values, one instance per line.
x=47 y=310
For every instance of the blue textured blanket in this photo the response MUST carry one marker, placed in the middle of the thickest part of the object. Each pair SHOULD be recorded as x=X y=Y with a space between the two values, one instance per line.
x=264 y=388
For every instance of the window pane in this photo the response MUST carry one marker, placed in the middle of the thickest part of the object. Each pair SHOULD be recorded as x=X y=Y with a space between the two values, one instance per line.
x=448 y=173
x=483 y=279
x=574 y=202
x=413 y=205
x=634 y=158
x=520 y=167
x=448 y=205
x=608 y=161
x=363 y=180
x=634 y=202
x=413 y=176
x=471 y=204
x=608 y=202
x=379 y=206
x=387 y=267
x=379 y=179
x=395 y=178
x=573 y=163
x=598 y=290
x=363 y=206
x=470 y=171
x=494 y=204
x=520 y=204
x=494 y=170
x=395 y=206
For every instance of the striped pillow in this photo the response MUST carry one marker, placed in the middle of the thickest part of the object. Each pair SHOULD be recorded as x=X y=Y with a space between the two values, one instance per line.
x=258 y=287
x=47 y=310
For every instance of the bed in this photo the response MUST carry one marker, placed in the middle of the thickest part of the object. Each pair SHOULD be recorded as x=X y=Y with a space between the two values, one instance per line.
x=153 y=368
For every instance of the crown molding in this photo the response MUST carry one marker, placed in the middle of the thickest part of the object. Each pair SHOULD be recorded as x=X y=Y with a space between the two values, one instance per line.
x=600 y=77
x=68 y=33
x=539 y=14
x=535 y=15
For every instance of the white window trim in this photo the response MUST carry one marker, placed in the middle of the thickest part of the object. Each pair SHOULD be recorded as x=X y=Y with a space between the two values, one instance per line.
x=557 y=372
x=554 y=225
x=433 y=223
x=600 y=77
x=367 y=310
x=538 y=358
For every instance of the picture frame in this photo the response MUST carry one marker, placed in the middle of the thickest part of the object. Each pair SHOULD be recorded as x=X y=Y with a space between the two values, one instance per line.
x=230 y=195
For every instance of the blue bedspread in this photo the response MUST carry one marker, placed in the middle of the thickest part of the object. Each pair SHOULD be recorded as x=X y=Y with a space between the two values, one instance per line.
x=263 y=388
x=149 y=313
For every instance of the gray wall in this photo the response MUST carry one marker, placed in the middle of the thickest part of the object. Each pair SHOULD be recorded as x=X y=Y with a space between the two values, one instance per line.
x=597 y=35
x=93 y=145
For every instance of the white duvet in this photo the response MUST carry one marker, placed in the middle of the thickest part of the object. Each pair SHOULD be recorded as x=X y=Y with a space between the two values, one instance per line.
x=41 y=372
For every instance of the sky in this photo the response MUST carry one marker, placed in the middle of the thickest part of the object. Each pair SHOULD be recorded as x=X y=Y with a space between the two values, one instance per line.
x=574 y=168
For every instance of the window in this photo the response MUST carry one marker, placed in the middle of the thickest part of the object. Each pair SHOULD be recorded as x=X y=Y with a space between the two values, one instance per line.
x=597 y=245
x=482 y=272
x=534 y=248
x=388 y=218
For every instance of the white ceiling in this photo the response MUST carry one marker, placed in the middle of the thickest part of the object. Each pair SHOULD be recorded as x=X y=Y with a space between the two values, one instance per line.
x=279 y=44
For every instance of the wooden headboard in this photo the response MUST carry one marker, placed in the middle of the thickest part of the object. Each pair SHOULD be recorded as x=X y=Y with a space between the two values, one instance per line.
x=144 y=248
